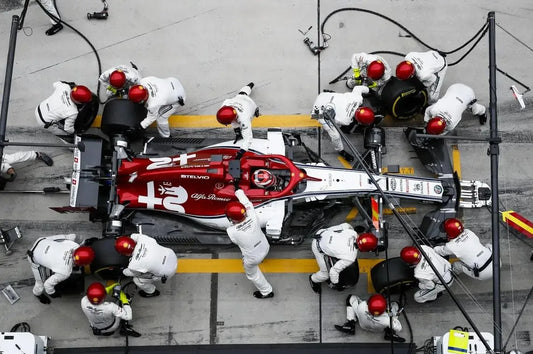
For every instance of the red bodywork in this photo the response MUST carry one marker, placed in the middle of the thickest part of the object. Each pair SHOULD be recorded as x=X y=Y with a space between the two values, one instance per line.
x=198 y=183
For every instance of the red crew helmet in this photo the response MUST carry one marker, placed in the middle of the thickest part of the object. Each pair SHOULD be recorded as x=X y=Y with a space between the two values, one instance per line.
x=96 y=293
x=364 y=115
x=436 y=126
x=83 y=255
x=80 y=94
x=367 y=242
x=138 y=94
x=263 y=178
x=236 y=212
x=117 y=79
x=405 y=70
x=226 y=115
x=375 y=70
x=410 y=255
x=453 y=228
x=125 y=245
x=377 y=304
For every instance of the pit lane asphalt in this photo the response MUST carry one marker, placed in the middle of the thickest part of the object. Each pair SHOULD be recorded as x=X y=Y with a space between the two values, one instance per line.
x=214 y=58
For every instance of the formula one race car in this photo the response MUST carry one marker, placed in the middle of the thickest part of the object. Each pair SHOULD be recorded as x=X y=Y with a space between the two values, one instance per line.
x=177 y=189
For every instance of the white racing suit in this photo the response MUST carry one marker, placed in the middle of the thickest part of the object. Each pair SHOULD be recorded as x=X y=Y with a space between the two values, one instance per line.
x=430 y=69
x=132 y=78
x=428 y=282
x=360 y=62
x=343 y=105
x=475 y=260
x=105 y=318
x=357 y=310
x=246 y=108
x=336 y=241
x=253 y=244
x=451 y=106
x=55 y=254
x=150 y=262
x=165 y=96
x=16 y=157
x=58 y=113
x=50 y=6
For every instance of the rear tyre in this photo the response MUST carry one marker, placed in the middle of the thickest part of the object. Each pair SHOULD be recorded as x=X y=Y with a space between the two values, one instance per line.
x=400 y=276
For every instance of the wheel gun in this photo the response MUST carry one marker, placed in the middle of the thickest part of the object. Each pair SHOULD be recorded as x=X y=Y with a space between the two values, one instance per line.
x=102 y=15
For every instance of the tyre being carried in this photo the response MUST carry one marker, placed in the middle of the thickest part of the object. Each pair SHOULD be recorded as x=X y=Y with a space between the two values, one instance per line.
x=393 y=275
x=403 y=99
x=121 y=116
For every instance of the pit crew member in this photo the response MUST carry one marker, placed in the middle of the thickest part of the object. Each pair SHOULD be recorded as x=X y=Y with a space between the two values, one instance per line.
x=119 y=79
x=50 y=6
x=239 y=111
x=370 y=70
x=8 y=173
x=372 y=316
x=149 y=262
x=56 y=254
x=444 y=115
x=161 y=97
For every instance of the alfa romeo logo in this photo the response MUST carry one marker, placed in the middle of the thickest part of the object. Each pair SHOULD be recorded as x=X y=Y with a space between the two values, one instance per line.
x=438 y=189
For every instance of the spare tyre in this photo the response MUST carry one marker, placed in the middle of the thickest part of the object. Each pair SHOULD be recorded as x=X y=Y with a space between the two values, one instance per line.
x=349 y=276
x=121 y=116
x=403 y=99
x=396 y=279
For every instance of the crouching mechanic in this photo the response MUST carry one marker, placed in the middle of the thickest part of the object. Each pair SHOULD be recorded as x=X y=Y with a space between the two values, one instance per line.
x=428 y=67
x=443 y=116
x=8 y=173
x=372 y=316
x=119 y=79
x=106 y=317
x=161 y=97
x=428 y=282
x=341 y=108
x=340 y=242
x=239 y=111
x=57 y=254
x=475 y=260
x=149 y=262
x=246 y=233
x=369 y=70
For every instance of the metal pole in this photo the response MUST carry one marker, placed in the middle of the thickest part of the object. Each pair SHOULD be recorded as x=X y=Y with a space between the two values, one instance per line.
x=494 y=152
x=7 y=80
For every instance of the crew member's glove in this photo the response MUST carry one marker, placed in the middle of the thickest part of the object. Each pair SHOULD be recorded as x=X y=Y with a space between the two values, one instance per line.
x=238 y=134
x=236 y=183
x=55 y=295
x=256 y=113
x=11 y=175
x=358 y=80
x=44 y=299
x=123 y=298
x=240 y=153
x=181 y=101
x=163 y=279
x=482 y=118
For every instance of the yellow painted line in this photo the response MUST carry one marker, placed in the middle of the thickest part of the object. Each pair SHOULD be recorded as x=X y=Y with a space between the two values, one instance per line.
x=210 y=121
x=403 y=170
x=352 y=214
x=344 y=162
x=224 y=266
x=456 y=158
x=409 y=210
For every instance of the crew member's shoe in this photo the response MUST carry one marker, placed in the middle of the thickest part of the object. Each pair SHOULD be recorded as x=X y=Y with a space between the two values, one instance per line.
x=45 y=158
x=389 y=334
x=315 y=286
x=54 y=29
x=127 y=330
x=347 y=327
x=258 y=295
x=347 y=156
x=145 y=294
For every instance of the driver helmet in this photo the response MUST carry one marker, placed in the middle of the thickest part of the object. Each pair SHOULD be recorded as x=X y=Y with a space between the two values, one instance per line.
x=405 y=70
x=364 y=115
x=453 y=228
x=138 y=94
x=226 y=115
x=96 y=293
x=83 y=255
x=117 y=79
x=125 y=245
x=410 y=255
x=80 y=94
x=375 y=70
x=263 y=178
x=436 y=126
x=366 y=242
x=235 y=212
x=377 y=304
